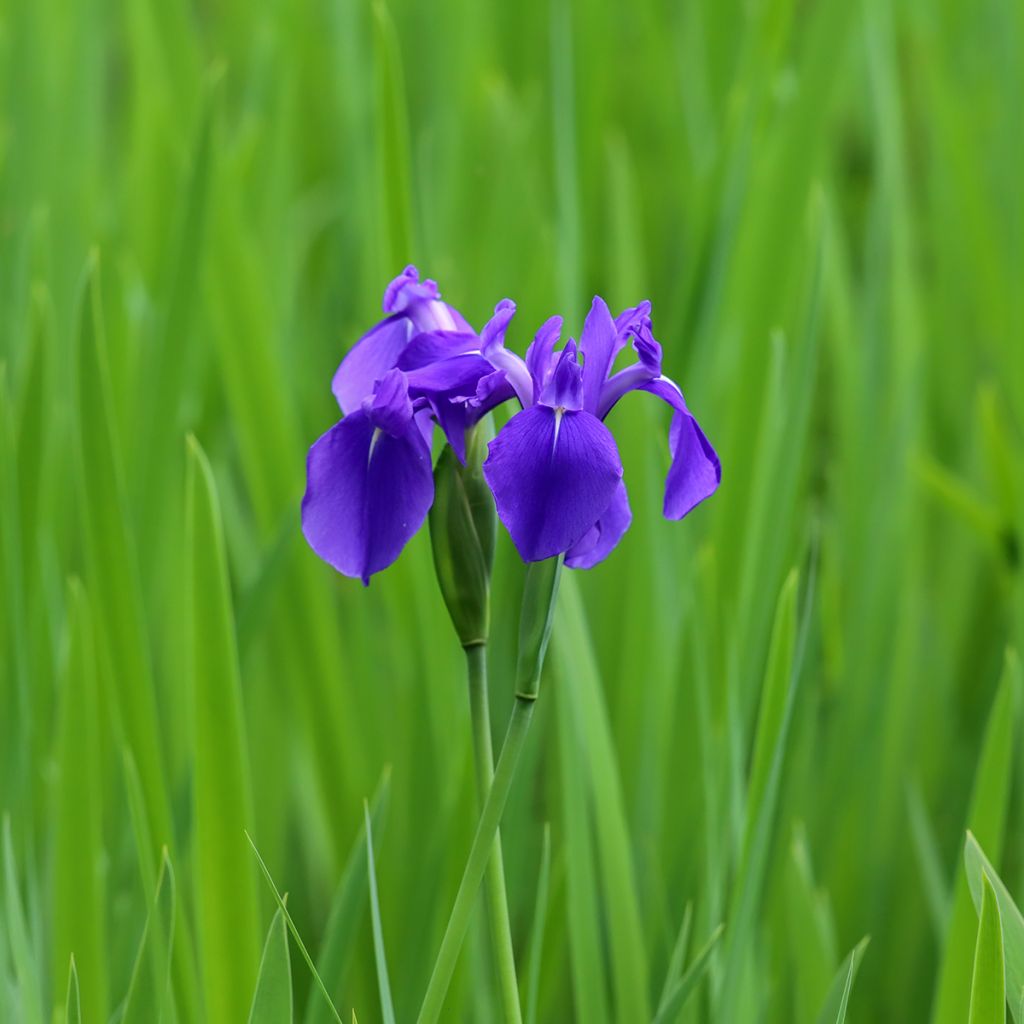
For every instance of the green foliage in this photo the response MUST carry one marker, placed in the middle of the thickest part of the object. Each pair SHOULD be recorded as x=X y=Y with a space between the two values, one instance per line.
x=200 y=205
x=988 y=992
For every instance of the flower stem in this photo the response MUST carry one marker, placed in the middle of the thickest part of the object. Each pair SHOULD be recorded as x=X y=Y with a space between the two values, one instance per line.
x=497 y=900
x=476 y=865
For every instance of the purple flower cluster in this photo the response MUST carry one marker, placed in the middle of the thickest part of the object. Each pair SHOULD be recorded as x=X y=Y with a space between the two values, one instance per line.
x=554 y=468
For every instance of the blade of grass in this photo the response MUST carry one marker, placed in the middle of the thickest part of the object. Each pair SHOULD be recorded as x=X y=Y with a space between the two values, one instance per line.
x=226 y=911
x=778 y=696
x=149 y=992
x=838 y=999
x=346 y=907
x=988 y=984
x=112 y=577
x=540 y=917
x=295 y=932
x=26 y=970
x=578 y=673
x=986 y=819
x=73 y=1002
x=687 y=984
x=677 y=961
x=79 y=911
x=272 y=1001
x=387 y=1008
x=978 y=868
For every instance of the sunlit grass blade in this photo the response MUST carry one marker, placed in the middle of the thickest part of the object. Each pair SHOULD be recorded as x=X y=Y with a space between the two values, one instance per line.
x=988 y=985
x=387 y=1008
x=978 y=869
x=295 y=932
x=149 y=994
x=986 y=819
x=26 y=969
x=838 y=999
x=79 y=911
x=226 y=910
x=272 y=1001
x=540 y=920
x=681 y=991
x=347 y=908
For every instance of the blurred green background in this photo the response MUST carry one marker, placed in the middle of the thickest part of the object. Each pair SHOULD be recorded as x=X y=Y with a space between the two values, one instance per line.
x=200 y=204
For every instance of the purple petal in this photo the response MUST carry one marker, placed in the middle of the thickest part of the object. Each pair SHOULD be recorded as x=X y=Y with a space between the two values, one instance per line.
x=598 y=345
x=368 y=360
x=451 y=387
x=367 y=493
x=421 y=302
x=600 y=539
x=538 y=355
x=696 y=471
x=460 y=375
x=430 y=346
x=564 y=389
x=553 y=475
x=390 y=408
x=494 y=330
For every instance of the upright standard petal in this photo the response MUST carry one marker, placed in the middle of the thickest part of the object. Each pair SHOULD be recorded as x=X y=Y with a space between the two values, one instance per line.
x=599 y=541
x=598 y=343
x=368 y=360
x=367 y=493
x=553 y=474
x=696 y=471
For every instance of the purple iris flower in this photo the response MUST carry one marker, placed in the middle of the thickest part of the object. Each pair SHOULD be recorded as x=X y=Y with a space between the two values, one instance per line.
x=554 y=468
x=369 y=477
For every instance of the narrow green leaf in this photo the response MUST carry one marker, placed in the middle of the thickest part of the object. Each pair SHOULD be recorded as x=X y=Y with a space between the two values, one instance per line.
x=812 y=941
x=778 y=695
x=148 y=999
x=79 y=898
x=26 y=970
x=73 y=1002
x=347 y=909
x=272 y=1001
x=986 y=818
x=978 y=868
x=988 y=984
x=295 y=932
x=593 y=742
x=540 y=917
x=384 y=986
x=226 y=911
x=838 y=999
x=677 y=961
x=113 y=575
x=687 y=984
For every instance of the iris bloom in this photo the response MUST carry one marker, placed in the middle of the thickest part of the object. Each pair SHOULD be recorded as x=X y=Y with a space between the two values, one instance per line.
x=554 y=468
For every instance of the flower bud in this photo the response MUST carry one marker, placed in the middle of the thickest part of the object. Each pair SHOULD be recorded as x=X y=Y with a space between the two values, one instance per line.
x=535 y=617
x=463 y=529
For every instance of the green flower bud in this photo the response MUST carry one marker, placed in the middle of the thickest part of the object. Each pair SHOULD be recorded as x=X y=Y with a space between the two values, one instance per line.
x=463 y=529
x=535 y=617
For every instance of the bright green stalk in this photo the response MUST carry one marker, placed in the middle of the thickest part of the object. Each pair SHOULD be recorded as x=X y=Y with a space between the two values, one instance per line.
x=497 y=900
x=479 y=855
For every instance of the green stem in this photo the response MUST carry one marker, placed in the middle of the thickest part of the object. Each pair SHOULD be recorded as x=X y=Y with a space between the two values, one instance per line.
x=497 y=900
x=476 y=865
